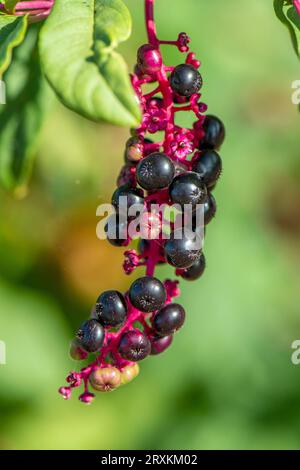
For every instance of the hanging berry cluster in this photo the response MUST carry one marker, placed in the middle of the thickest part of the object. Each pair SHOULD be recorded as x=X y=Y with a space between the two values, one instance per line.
x=181 y=169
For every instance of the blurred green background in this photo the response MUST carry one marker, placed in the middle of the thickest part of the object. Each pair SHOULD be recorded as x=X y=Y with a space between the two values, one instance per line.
x=227 y=382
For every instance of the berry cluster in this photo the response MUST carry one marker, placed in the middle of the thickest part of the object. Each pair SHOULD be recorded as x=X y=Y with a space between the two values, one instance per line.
x=183 y=168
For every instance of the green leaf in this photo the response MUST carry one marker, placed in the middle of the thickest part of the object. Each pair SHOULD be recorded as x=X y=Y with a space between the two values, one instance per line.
x=12 y=32
x=287 y=14
x=77 y=46
x=21 y=118
x=10 y=5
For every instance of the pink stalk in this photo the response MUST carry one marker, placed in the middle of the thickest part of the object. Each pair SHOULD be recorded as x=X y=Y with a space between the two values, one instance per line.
x=158 y=114
x=36 y=9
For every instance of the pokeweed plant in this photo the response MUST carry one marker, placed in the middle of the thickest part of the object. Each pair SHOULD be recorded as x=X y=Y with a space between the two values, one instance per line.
x=181 y=168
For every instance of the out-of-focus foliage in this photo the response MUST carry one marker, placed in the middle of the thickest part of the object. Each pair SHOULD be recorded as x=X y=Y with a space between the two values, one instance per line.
x=227 y=381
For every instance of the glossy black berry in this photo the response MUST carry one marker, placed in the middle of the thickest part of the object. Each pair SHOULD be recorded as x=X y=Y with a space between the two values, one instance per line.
x=169 y=319
x=90 y=335
x=155 y=171
x=185 y=80
x=209 y=167
x=195 y=271
x=111 y=308
x=116 y=230
x=214 y=133
x=210 y=208
x=187 y=188
x=147 y=294
x=134 y=196
x=134 y=345
x=182 y=250
x=160 y=343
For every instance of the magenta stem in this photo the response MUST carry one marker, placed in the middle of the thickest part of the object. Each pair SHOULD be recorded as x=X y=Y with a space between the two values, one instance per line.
x=150 y=23
x=297 y=6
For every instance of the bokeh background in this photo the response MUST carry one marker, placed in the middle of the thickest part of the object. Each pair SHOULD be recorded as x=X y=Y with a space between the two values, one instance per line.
x=227 y=382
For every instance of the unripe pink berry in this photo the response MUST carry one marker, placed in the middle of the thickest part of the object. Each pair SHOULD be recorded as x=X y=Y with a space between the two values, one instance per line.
x=105 y=379
x=149 y=59
x=76 y=352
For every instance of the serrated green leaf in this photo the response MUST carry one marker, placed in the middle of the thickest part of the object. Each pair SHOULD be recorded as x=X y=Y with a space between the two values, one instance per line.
x=12 y=32
x=77 y=50
x=287 y=14
x=22 y=116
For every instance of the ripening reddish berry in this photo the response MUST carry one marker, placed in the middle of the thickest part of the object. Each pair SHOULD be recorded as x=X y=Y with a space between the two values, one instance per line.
x=149 y=59
x=134 y=345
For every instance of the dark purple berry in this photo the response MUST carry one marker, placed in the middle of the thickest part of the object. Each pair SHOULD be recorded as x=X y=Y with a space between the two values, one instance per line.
x=182 y=250
x=116 y=230
x=149 y=59
x=185 y=80
x=135 y=196
x=126 y=176
x=111 y=308
x=155 y=172
x=210 y=208
x=214 y=133
x=187 y=188
x=160 y=343
x=134 y=345
x=147 y=294
x=209 y=167
x=90 y=336
x=195 y=271
x=169 y=319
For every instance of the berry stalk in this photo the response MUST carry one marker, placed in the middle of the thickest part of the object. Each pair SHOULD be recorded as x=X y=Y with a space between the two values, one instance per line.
x=180 y=169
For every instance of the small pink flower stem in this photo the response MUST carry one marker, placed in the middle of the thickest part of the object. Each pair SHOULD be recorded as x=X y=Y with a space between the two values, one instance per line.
x=150 y=23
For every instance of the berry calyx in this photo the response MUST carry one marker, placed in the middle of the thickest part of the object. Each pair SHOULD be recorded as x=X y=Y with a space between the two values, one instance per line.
x=147 y=294
x=154 y=172
x=149 y=59
x=105 y=379
x=134 y=346
x=111 y=308
x=214 y=131
x=185 y=80
x=169 y=319
x=90 y=336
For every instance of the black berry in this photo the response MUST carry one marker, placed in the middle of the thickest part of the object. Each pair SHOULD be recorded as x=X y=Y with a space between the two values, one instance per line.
x=147 y=294
x=169 y=319
x=160 y=343
x=181 y=250
x=195 y=271
x=210 y=208
x=185 y=80
x=134 y=345
x=111 y=308
x=155 y=172
x=209 y=167
x=90 y=336
x=187 y=188
x=134 y=196
x=116 y=230
x=214 y=133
